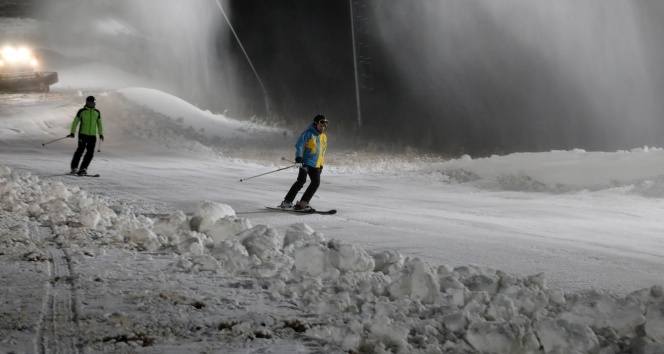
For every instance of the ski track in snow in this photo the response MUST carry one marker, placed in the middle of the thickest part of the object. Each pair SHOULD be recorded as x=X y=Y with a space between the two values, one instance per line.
x=59 y=331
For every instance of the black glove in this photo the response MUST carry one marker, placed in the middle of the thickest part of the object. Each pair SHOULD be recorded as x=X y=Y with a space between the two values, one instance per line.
x=70 y=135
x=298 y=159
x=101 y=137
x=321 y=168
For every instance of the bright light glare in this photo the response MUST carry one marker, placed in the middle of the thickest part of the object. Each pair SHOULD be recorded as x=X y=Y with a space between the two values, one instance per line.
x=13 y=55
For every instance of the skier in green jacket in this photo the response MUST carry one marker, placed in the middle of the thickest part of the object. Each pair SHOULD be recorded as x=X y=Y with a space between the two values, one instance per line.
x=90 y=120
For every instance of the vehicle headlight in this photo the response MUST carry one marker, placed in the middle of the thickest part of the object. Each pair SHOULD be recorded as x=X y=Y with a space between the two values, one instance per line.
x=8 y=53
x=13 y=55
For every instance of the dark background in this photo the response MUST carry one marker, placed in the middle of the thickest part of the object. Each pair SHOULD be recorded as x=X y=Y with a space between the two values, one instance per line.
x=17 y=8
x=482 y=92
x=303 y=52
x=444 y=76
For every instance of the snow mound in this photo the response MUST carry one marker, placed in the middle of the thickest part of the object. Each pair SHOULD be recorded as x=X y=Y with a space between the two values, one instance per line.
x=190 y=116
x=356 y=301
x=636 y=171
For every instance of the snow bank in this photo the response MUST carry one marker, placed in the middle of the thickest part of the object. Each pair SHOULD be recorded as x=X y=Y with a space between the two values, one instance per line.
x=190 y=116
x=361 y=302
x=563 y=171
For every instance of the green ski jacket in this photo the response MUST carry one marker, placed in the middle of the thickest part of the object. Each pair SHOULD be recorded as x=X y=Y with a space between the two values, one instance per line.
x=90 y=119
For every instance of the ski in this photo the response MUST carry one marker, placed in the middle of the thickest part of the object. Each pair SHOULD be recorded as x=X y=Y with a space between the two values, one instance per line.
x=326 y=212
x=310 y=211
x=75 y=175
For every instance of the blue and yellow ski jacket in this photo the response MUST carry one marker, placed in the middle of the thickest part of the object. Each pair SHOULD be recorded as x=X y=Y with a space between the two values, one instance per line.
x=311 y=147
x=90 y=119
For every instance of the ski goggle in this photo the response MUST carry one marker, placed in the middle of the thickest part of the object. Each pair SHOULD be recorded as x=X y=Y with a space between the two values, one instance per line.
x=324 y=122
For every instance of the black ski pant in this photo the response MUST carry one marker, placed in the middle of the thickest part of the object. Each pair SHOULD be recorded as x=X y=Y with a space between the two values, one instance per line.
x=85 y=143
x=314 y=175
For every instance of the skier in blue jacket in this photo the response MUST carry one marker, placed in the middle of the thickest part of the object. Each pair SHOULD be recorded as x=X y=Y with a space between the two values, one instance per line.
x=310 y=151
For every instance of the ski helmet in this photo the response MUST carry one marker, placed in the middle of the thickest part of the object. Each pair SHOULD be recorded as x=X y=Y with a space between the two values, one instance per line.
x=319 y=117
x=90 y=99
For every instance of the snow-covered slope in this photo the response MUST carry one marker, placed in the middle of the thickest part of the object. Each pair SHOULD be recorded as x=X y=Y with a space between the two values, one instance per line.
x=425 y=256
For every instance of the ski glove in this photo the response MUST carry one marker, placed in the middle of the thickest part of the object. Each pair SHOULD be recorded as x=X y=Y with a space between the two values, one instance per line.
x=298 y=159
x=321 y=169
x=70 y=135
x=101 y=137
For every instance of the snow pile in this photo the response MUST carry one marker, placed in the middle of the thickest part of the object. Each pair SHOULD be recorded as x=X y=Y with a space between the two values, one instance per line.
x=563 y=171
x=189 y=116
x=360 y=302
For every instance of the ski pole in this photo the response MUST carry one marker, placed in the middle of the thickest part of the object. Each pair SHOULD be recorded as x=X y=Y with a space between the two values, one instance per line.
x=263 y=174
x=52 y=141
